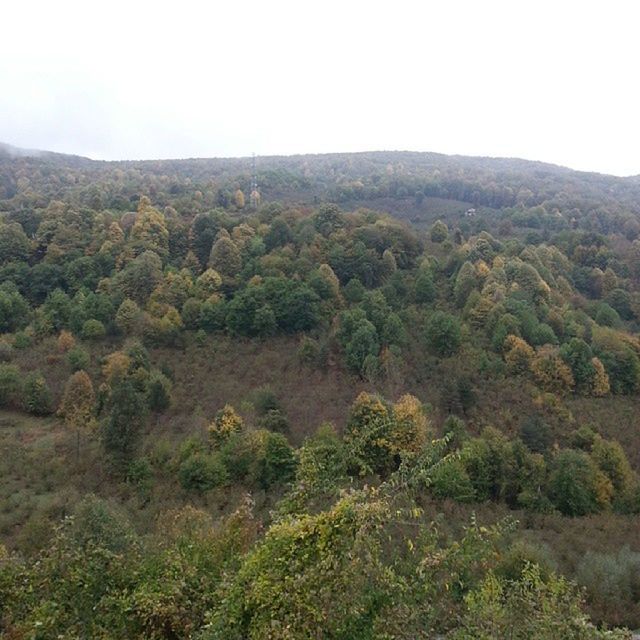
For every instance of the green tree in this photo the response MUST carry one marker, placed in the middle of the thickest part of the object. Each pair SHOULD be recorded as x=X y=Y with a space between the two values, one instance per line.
x=443 y=334
x=122 y=429
x=36 y=396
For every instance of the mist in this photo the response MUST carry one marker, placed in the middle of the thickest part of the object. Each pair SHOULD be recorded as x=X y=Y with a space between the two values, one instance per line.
x=117 y=80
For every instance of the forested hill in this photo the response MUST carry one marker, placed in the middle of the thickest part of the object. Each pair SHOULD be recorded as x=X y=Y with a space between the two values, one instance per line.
x=595 y=201
x=384 y=395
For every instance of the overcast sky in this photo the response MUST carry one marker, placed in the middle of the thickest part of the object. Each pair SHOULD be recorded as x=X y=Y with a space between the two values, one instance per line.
x=544 y=80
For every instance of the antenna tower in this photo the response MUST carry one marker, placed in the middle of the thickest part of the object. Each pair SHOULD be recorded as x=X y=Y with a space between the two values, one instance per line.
x=254 y=198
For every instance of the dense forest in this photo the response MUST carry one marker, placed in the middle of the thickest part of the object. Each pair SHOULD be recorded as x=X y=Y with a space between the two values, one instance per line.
x=381 y=395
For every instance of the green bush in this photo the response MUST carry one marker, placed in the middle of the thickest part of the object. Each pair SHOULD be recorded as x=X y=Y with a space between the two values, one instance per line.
x=10 y=385
x=78 y=359
x=201 y=472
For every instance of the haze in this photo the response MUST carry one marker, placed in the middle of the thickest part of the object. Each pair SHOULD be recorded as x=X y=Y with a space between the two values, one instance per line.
x=122 y=80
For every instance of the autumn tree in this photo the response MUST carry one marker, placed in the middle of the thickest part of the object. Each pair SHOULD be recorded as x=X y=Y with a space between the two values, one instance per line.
x=550 y=371
x=518 y=354
x=410 y=425
x=149 y=232
x=77 y=406
x=226 y=423
x=225 y=257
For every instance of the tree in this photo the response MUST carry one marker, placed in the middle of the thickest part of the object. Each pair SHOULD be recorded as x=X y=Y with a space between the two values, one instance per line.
x=425 y=290
x=128 y=317
x=550 y=372
x=140 y=277
x=410 y=425
x=225 y=257
x=600 y=381
x=158 y=392
x=363 y=343
x=443 y=334
x=122 y=428
x=577 y=354
x=224 y=425
x=610 y=458
x=208 y=283
x=36 y=396
x=573 y=483
x=466 y=282
x=149 y=232
x=368 y=435
x=238 y=198
x=14 y=310
x=439 y=232
x=279 y=234
x=78 y=405
x=14 y=243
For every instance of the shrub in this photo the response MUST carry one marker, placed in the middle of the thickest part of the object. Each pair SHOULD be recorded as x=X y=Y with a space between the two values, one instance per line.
x=6 y=351
x=78 y=358
x=275 y=420
x=22 y=340
x=9 y=385
x=201 y=472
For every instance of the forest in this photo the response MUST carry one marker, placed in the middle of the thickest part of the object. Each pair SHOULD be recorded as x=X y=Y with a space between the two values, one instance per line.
x=379 y=395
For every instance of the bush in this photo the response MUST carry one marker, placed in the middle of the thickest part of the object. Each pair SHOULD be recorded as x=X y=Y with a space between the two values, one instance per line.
x=6 y=351
x=612 y=581
x=22 y=340
x=201 y=472
x=9 y=385
x=265 y=400
x=78 y=358
x=451 y=480
x=275 y=420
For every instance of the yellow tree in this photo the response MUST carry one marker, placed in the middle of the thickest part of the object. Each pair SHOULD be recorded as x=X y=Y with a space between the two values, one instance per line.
x=410 y=425
x=226 y=423
x=149 y=231
x=550 y=371
x=518 y=354
x=600 y=381
x=239 y=198
x=77 y=406
x=66 y=341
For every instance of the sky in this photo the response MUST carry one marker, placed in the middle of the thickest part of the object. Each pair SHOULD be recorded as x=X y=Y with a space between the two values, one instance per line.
x=552 y=81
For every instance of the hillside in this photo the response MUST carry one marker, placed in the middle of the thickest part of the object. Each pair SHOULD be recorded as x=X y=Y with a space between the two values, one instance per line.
x=383 y=395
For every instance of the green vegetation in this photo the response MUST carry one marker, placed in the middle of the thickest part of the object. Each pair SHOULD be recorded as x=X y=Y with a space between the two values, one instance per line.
x=307 y=418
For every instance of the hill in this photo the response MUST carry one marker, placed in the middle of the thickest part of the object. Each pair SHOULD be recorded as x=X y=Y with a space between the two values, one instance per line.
x=348 y=383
